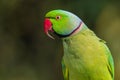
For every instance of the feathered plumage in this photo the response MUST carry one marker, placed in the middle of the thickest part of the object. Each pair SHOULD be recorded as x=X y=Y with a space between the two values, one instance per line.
x=86 y=57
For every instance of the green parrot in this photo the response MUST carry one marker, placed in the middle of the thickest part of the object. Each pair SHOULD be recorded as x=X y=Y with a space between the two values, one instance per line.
x=86 y=56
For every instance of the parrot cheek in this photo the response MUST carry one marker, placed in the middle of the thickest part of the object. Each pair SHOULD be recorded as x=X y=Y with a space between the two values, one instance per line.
x=48 y=27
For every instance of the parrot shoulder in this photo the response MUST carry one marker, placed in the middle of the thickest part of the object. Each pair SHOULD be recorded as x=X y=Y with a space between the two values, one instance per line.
x=110 y=65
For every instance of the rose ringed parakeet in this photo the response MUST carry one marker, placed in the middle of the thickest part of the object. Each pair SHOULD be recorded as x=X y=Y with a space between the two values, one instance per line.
x=86 y=57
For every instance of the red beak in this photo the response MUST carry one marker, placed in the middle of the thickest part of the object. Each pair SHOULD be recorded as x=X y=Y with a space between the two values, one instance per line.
x=48 y=27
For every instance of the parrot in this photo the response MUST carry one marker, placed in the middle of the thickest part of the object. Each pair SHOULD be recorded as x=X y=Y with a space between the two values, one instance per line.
x=86 y=56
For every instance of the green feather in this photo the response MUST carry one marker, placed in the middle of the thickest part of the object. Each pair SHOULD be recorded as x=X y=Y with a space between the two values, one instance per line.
x=87 y=57
x=65 y=71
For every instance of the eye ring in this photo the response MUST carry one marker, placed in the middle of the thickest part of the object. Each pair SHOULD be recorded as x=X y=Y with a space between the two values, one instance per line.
x=58 y=17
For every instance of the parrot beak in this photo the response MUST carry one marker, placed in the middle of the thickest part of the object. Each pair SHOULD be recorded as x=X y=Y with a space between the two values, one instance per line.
x=48 y=27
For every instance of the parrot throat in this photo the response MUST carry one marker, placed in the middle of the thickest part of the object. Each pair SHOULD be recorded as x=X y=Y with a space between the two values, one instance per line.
x=73 y=32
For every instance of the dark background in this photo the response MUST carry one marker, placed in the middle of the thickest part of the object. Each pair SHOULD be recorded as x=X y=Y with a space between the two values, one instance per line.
x=26 y=53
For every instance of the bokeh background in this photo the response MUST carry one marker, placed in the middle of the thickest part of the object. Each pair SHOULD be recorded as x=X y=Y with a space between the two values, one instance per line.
x=26 y=53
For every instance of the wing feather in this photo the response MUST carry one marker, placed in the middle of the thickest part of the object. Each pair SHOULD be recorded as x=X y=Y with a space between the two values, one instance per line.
x=65 y=71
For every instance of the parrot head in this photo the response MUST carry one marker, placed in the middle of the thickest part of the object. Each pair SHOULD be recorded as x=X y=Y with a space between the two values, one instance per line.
x=62 y=23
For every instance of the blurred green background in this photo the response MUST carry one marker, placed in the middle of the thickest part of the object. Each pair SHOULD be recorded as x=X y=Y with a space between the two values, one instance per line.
x=26 y=53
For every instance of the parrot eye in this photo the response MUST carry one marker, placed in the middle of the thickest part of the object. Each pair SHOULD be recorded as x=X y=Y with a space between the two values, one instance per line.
x=58 y=17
